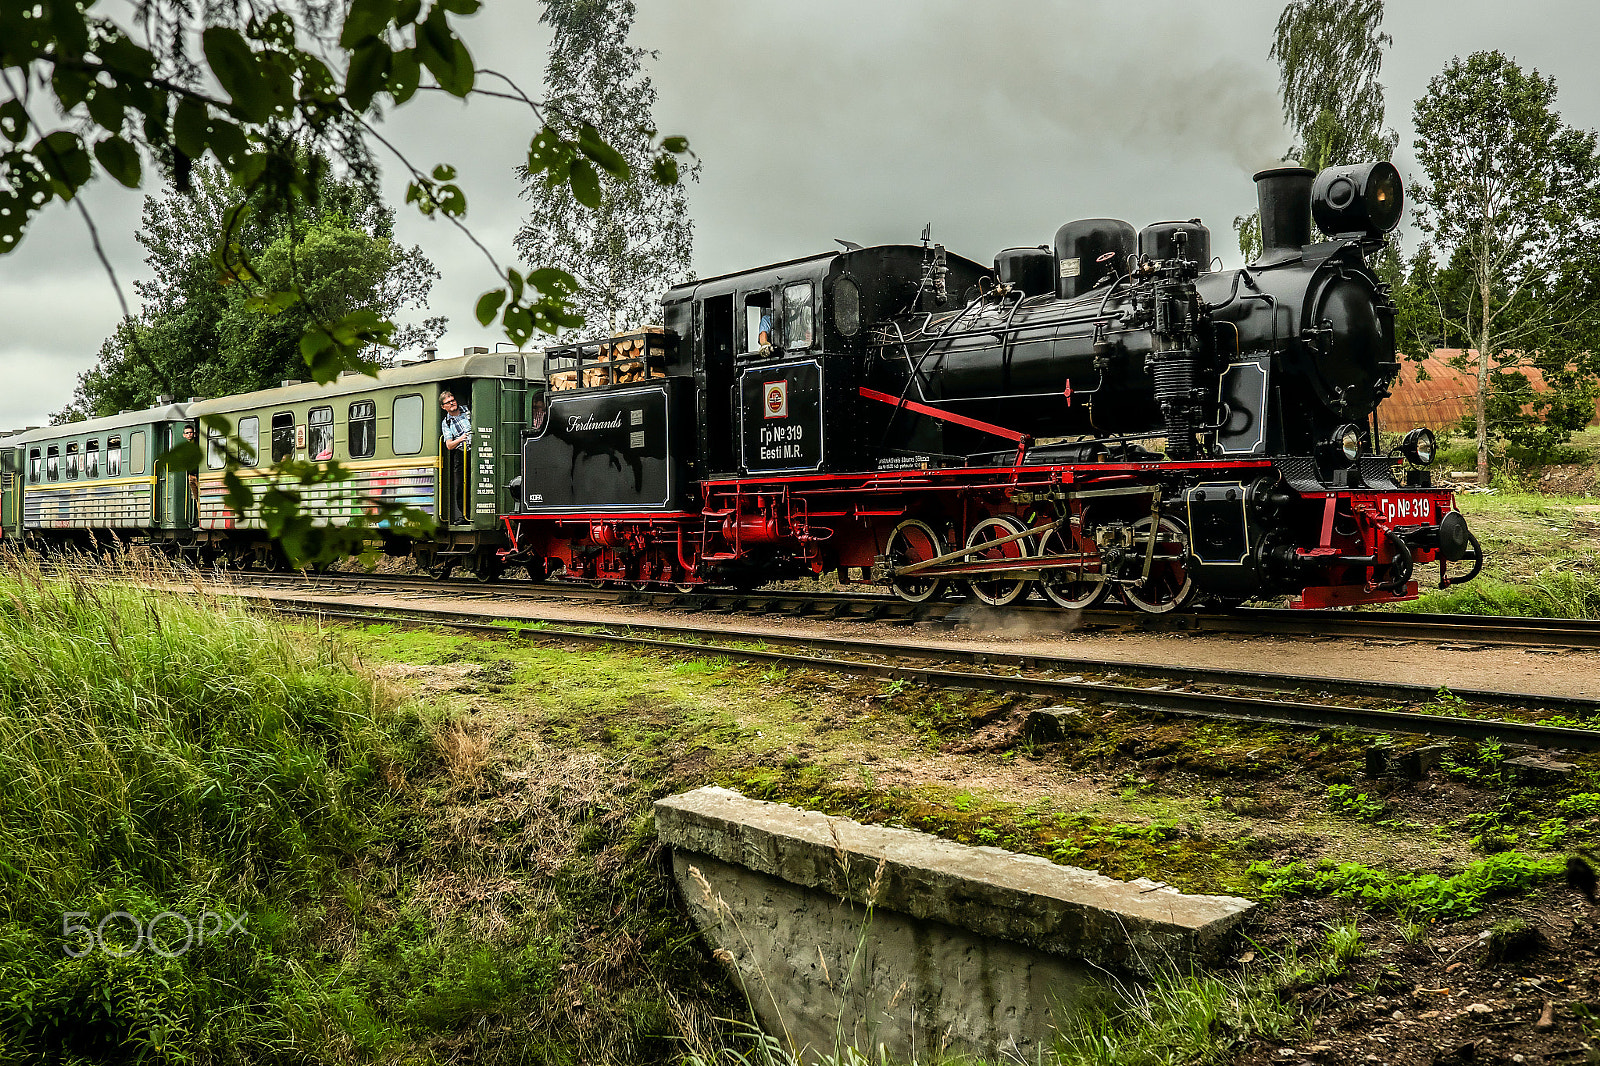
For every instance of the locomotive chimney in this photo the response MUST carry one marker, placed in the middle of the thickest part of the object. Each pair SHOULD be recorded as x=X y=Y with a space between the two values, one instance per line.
x=1284 y=194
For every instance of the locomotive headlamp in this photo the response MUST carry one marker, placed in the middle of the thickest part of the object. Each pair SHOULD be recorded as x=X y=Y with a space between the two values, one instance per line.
x=1364 y=200
x=1347 y=442
x=1419 y=446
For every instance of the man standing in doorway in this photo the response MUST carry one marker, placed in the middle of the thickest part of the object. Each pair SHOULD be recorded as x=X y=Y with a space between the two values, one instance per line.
x=456 y=429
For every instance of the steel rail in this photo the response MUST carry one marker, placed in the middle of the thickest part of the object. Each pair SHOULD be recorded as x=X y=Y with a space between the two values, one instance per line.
x=1251 y=709
x=1510 y=630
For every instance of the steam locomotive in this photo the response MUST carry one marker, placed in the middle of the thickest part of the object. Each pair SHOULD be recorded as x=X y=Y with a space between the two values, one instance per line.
x=1106 y=416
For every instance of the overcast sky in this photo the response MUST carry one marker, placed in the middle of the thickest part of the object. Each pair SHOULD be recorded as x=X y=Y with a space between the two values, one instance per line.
x=861 y=119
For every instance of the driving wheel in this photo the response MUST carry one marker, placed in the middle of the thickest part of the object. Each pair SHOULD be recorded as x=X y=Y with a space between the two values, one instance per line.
x=999 y=590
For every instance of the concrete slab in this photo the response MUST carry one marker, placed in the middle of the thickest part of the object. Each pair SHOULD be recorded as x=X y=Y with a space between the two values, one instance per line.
x=1137 y=926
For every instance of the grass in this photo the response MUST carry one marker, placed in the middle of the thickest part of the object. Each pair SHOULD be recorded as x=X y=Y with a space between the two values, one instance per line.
x=389 y=888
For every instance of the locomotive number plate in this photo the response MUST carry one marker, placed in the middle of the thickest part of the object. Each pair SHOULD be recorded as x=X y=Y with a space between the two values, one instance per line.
x=1403 y=510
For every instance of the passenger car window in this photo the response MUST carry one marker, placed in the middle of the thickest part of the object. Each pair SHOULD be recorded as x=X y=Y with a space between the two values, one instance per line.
x=797 y=316
x=216 y=455
x=282 y=436
x=113 y=456
x=136 y=452
x=319 y=434
x=35 y=465
x=72 y=461
x=91 y=459
x=249 y=440
x=363 y=425
x=407 y=429
x=52 y=463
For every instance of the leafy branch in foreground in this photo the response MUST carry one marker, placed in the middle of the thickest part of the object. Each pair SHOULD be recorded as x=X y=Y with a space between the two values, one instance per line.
x=265 y=89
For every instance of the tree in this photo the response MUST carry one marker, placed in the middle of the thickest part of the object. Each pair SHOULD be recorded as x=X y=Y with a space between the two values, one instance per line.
x=1329 y=54
x=202 y=331
x=629 y=249
x=265 y=88
x=1512 y=210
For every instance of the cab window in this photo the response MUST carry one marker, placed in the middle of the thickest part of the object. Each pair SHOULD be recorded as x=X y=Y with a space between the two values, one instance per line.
x=363 y=429
x=113 y=456
x=282 y=436
x=91 y=459
x=72 y=461
x=52 y=463
x=797 y=316
x=35 y=465
x=758 y=324
x=249 y=440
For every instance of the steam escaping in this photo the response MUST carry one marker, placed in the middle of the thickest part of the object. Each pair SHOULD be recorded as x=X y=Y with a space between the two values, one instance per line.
x=997 y=623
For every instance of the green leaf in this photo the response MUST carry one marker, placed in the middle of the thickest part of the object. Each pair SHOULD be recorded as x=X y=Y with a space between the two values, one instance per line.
x=13 y=120
x=367 y=20
x=228 y=142
x=585 y=184
x=664 y=170
x=107 y=108
x=191 y=125
x=120 y=159
x=610 y=160
x=238 y=70
x=444 y=172
x=549 y=151
x=71 y=85
x=369 y=73
x=127 y=60
x=519 y=325
x=444 y=55
x=63 y=157
x=405 y=74
x=461 y=7
x=489 y=304
x=675 y=145
x=271 y=303
x=407 y=11
x=240 y=496
x=183 y=456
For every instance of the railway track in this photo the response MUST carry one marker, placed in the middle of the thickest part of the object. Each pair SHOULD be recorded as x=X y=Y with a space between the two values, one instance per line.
x=1246 y=697
x=1484 y=630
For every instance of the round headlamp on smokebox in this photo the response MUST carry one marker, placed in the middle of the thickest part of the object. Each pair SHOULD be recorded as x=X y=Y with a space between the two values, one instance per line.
x=1364 y=200
x=1344 y=446
x=1419 y=446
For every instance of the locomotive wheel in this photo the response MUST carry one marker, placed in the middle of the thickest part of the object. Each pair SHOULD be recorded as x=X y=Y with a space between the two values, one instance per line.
x=914 y=541
x=999 y=591
x=1169 y=587
x=1077 y=587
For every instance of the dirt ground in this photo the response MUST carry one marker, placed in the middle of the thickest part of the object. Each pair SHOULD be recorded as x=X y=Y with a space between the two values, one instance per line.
x=1543 y=671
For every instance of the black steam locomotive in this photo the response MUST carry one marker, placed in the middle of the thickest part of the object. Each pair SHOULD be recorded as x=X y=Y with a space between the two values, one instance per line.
x=1107 y=416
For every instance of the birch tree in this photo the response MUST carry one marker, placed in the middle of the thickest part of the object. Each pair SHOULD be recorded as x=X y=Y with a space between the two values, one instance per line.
x=636 y=241
x=1511 y=212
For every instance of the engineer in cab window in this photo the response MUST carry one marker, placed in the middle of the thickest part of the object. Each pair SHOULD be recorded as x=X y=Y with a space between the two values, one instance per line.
x=455 y=429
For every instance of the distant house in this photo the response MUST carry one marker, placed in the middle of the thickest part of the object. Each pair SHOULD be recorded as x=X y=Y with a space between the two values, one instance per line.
x=1444 y=399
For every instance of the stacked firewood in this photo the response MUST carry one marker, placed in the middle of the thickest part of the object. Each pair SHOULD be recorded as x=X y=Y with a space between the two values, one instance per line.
x=619 y=360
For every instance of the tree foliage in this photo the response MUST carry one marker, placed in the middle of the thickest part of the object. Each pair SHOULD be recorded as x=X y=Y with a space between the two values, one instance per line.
x=1510 y=212
x=209 y=335
x=1329 y=55
x=636 y=241
x=263 y=88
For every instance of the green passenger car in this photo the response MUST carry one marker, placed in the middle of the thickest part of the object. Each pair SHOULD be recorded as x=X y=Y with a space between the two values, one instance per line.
x=91 y=483
x=386 y=431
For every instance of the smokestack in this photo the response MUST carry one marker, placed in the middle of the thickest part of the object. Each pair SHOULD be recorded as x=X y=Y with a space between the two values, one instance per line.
x=1284 y=195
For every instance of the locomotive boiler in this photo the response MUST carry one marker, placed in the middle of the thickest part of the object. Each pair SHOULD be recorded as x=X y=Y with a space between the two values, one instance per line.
x=1106 y=415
